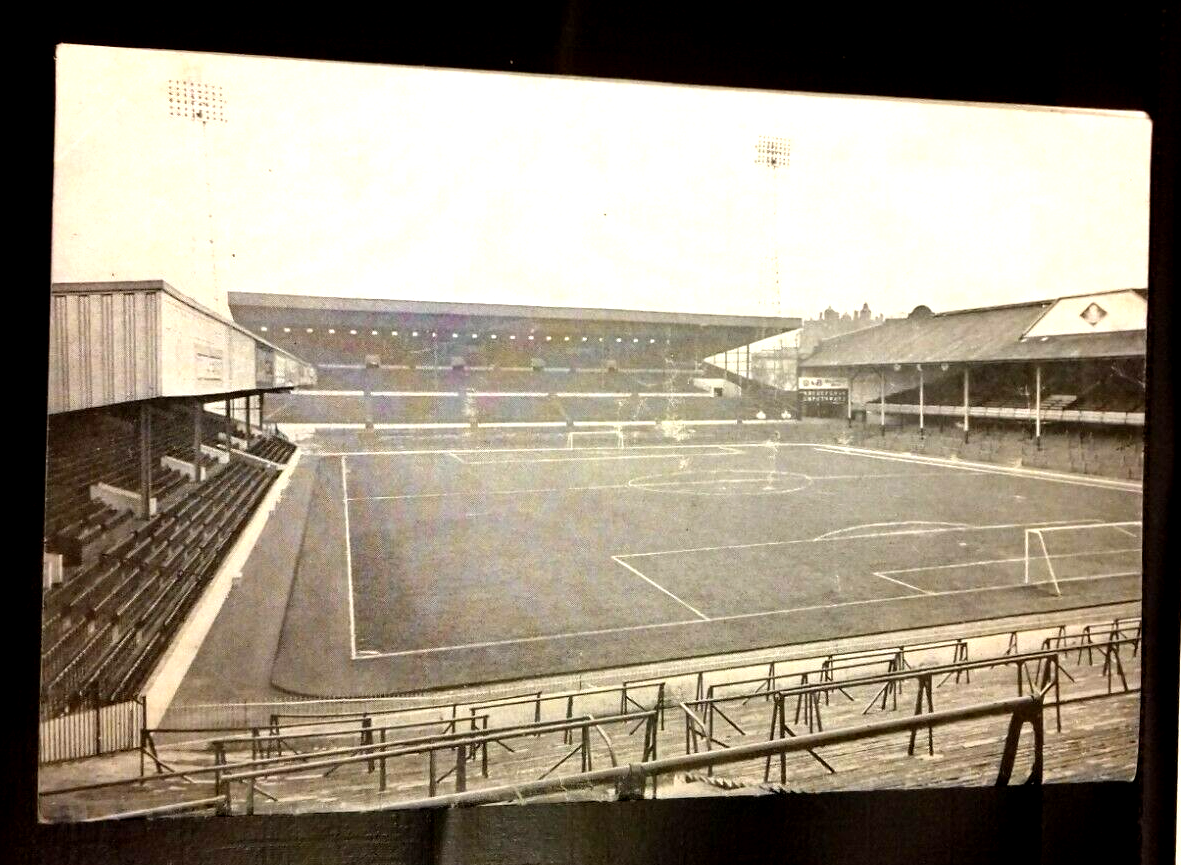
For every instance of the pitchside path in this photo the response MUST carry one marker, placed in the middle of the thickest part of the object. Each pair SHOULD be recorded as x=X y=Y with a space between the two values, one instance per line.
x=428 y=569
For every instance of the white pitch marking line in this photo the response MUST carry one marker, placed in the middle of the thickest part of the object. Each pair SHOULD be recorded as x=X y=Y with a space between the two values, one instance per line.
x=441 y=452
x=985 y=468
x=826 y=538
x=844 y=533
x=1007 y=561
x=516 y=462
x=515 y=640
x=758 y=480
x=327 y=393
x=1125 y=531
x=348 y=553
x=458 y=459
x=899 y=582
x=657 y=585
x=489 y=493
x=734 y=617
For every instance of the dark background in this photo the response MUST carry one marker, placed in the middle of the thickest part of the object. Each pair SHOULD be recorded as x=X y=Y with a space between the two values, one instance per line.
x=1118 y=59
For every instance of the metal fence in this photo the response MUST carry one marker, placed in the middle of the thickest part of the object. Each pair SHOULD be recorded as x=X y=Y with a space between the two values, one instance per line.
x=90 y=731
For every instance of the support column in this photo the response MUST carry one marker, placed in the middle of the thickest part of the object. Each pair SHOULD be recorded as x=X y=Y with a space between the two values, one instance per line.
x=921 y=400
x=966 y=422
x=229 y=428
x=260 y=413
x=145 y=459
x=849 y=398
x=1037 y=408
x=247 y=417
x=198 y=455
x=882 y=405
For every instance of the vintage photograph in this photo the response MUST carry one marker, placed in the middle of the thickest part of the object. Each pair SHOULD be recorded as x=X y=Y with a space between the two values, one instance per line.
x=424 y=437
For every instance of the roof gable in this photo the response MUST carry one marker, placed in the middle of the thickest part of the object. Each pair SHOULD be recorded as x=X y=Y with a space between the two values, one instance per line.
x=1020 y=332
x=1102 y=312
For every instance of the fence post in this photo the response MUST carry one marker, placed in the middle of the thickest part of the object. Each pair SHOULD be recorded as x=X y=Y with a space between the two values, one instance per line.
x=98 y=722
x=1057 y=695
x=381 y=776
x=460 y=769
x=1032 y=716
x=924 y=685
x=142 y=705
x=367 y=738
x=631 y=787
x=432 y=787
x=484 y=751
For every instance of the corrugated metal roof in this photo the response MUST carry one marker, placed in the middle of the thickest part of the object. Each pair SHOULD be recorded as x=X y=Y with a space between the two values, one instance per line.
x=968 y=336
x=503 y=310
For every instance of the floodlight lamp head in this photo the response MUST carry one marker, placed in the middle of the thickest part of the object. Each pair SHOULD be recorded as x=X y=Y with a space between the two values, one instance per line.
x=196 y=100
x=773 y=152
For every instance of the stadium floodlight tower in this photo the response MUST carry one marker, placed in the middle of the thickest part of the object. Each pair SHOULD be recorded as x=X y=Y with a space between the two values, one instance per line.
x=204 y=104
x=774 y=154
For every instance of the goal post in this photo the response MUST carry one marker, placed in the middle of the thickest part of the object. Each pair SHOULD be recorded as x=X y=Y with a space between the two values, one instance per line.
x=598 y=439
x=1054 y=555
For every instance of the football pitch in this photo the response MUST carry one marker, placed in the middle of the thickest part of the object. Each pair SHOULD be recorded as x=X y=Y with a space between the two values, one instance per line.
x=428 y=568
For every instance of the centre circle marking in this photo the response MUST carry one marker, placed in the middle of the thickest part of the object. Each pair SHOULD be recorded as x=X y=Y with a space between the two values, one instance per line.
x=723 y=482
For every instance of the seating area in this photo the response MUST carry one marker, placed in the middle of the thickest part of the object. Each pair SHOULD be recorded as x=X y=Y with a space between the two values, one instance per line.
x=394 y=396
x=491 y=408
x=1092 y=393
x=516 y=380
x=128 y=580
x=273 y=448
x=105 y=449
x=628 y=345
x=345 y=755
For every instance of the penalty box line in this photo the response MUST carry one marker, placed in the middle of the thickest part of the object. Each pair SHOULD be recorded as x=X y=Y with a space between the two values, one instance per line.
x=657 y=585
x=829 y=537
x=886 y=574
x=371 y=655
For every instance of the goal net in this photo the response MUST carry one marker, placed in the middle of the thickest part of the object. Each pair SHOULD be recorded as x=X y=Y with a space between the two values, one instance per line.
x=595 y=439
x=1055 y=555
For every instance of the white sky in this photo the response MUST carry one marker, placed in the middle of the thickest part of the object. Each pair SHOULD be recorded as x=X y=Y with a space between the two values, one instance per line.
x=376 y=181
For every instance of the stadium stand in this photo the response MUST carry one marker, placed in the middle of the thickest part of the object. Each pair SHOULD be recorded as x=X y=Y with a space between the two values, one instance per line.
x=128 y=581
x=1054 y=384
x=422 y=333
x=146 y=492
x=826 y=720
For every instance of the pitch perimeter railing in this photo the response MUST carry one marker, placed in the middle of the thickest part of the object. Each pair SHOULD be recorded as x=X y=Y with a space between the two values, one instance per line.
x=630 y=782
